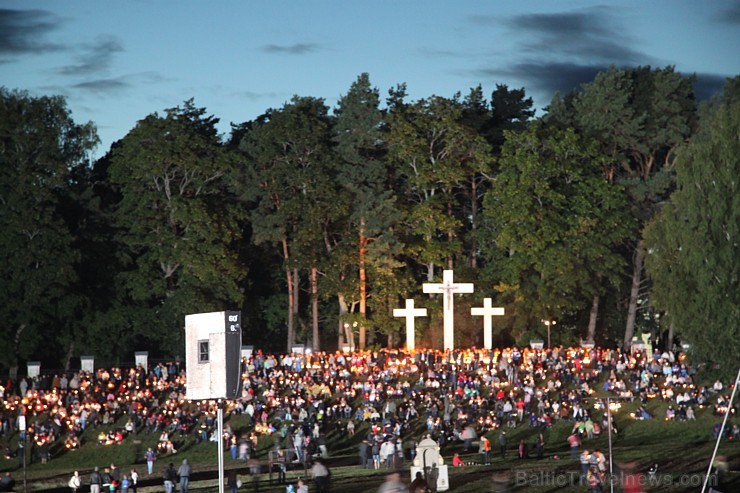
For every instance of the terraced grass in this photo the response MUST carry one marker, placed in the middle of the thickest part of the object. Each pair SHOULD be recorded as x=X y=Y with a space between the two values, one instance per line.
x=681 y=449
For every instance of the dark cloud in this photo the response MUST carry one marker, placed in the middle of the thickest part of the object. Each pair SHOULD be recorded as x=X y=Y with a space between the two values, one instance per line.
x=102 y=85
x=95 y=57
x=591 y=36
x=549 y=77
x=730 y=15
x=294 y=49
x=707 y=85
x=563 y=50
x=24 y=31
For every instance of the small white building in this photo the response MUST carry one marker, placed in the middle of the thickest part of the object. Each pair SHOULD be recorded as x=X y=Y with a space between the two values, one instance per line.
x=213 y=343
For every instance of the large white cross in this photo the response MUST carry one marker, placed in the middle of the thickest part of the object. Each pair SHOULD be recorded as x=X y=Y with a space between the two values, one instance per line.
x=487 y=311
x=410 y=313
x=448 y=287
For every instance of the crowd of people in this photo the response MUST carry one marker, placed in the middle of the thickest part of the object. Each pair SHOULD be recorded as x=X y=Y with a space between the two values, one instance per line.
x=297 y=399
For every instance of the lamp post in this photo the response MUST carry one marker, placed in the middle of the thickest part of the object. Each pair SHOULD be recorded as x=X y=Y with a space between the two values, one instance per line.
x=548 y=323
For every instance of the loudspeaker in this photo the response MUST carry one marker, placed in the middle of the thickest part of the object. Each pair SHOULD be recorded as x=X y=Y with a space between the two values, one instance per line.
x=213 y=344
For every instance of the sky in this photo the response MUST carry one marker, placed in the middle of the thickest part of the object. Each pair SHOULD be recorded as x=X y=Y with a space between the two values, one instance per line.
x=118 y=61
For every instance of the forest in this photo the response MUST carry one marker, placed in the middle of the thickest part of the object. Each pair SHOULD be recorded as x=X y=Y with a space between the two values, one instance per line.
x=615 y=213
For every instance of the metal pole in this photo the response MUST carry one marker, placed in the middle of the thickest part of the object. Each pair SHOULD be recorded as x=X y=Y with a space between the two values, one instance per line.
x=548 y=336
x=721 y=432
x=25 y=459
x=609 y=427
x=220 y=416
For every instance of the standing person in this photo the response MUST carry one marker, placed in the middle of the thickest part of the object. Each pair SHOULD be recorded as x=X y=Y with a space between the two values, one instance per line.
x=282 y=460
x=107 y=480
x=231 y=481
x=169 y=478
x=75 y=482
x=301 y=487
x=419 y=484
x=484 y=449
x=540 y=446
x=184 y=473
x=125 y=483
x=320 y=475
x=255 y=469
x=115 y=475
x=595 y=481
x=585 y=460
x=376 y=454
x=502 y=444
x=150 y=456
x=574 y=442
x=393 y=484
x=95 y=480
x=134 y=480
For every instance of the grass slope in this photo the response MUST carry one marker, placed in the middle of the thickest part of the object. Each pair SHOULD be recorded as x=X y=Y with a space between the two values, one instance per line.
x=681 y=449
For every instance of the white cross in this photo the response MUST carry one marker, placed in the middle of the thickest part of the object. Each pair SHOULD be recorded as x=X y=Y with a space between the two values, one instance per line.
x=448 y=287
x=488 y=312
x=410 y=313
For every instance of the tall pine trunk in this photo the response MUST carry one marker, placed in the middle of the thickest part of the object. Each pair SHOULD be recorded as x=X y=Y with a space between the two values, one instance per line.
x=289 y=281
x=314 y=280
x=593 y=316
x=344 y=334
x=296 y=299
x=70 y=353
x=362 y=244
x=629 y=330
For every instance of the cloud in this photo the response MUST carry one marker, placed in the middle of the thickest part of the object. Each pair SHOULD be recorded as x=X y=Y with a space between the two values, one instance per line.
x=112 y=85
x=294 y=49
x=95 y=57
x=23 y=31
x=563 y=50
x=730 y=15
x=548 y=77
x=590 y=36
x=707 y=85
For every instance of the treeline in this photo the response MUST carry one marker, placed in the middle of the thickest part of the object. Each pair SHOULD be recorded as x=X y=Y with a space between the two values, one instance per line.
x=316 y=222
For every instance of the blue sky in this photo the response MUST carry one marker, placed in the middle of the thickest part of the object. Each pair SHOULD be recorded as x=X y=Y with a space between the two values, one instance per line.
x=118 y=61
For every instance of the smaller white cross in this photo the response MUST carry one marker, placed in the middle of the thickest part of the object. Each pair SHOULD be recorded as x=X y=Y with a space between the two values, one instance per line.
x=487 y=311
x=410 y=313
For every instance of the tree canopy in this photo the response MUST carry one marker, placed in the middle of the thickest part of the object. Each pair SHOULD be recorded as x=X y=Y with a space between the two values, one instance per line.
x=317 y=221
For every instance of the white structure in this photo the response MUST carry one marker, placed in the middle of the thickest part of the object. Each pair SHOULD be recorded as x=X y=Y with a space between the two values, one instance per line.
x=34 y=368
x=448 y=288
x=87 y=364
x=430 y=463
x=213 y=344
x=142 y=358
x=410 y=313
x=487 y=311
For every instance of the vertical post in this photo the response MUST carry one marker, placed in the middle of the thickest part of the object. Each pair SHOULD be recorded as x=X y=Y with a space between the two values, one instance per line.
x=609 y=427
x=25 y=459
x=24 y=433
x=721 y=432
x=220 y=419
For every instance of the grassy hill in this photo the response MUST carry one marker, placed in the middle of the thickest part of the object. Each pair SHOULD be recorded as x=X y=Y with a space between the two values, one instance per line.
x=681 y=449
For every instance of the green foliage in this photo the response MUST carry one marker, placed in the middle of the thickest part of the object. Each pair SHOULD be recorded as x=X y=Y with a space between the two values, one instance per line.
x=375 y=200
x=177 y=223
x=40 y=148
x=693 y=242
x=557 y=221
x=435 y=154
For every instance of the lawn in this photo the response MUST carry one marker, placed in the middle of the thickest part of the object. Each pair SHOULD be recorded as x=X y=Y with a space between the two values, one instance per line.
x=681 y=449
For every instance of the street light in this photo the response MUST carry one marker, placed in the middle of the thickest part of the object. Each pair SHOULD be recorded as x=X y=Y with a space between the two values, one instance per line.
x=548 y=323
